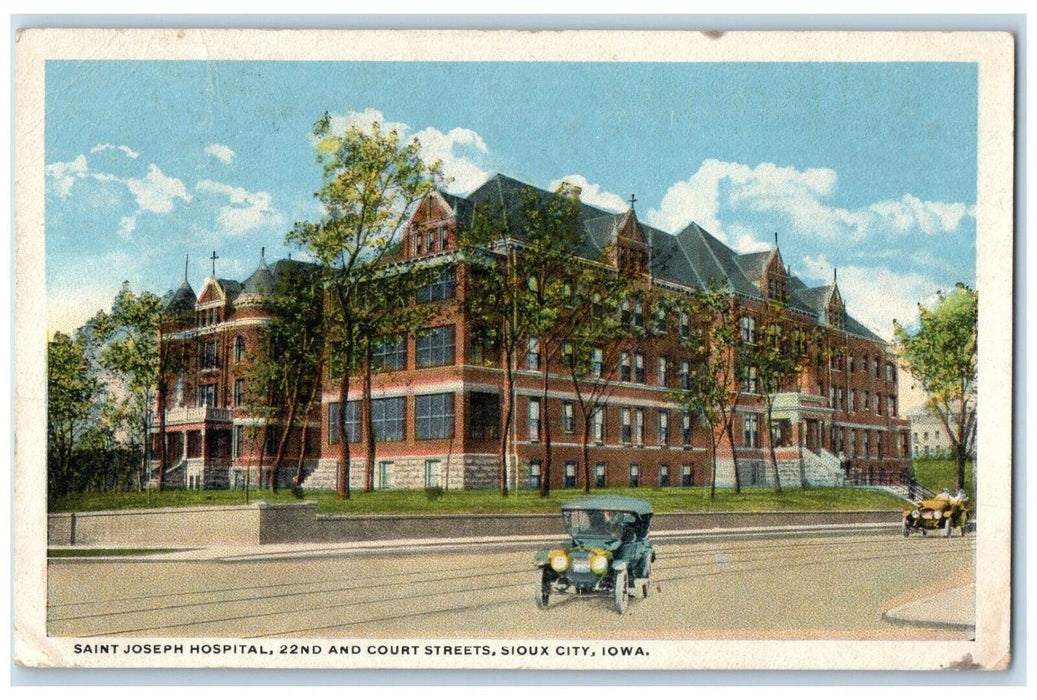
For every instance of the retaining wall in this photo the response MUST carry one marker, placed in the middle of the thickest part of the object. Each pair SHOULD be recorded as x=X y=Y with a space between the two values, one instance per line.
x=263 y=523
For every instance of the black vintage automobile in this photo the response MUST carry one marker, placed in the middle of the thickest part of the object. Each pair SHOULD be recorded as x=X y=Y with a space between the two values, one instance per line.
x=608 y=552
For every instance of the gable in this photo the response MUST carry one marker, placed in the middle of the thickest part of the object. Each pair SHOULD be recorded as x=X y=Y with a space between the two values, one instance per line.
x=211 y=293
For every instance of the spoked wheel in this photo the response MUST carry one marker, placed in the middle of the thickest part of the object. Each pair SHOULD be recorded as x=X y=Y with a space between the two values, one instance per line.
x=947 y=527
x=905 y=530
x=621 y=593
x=645 y=585
x=964 y=523
x=543 y=588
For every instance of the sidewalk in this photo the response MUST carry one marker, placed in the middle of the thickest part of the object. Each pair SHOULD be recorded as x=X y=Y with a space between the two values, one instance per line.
x=954 y=608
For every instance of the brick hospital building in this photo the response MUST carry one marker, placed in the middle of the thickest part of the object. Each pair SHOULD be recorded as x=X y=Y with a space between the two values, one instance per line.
x=437 y=397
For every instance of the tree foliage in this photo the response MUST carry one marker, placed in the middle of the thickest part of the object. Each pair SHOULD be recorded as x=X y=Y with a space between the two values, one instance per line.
x=371 y=181
x=73 y=390
x=940 y=351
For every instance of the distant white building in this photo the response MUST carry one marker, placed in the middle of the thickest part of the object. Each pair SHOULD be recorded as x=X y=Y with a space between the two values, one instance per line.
x=928 y=435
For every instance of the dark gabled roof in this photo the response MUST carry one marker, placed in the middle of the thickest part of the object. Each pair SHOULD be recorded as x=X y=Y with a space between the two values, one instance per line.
x=692 y=258
x=183 y=299
x=232 y=288
x=259 y=282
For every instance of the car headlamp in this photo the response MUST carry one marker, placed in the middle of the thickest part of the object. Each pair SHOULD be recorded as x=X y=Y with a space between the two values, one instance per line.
x=599 y=563
x=559 y=560
x=915 y=513
x=937 y=514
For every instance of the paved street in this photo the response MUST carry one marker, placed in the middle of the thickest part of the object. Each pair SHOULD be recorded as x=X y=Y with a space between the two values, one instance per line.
x=820 y=587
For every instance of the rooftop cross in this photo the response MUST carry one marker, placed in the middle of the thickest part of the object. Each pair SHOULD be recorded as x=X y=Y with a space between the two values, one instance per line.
x=214 y=257
x=632 y=200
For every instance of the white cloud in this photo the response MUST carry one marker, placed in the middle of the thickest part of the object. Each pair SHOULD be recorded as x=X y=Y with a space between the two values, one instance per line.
x=64 y=174
x=875 y=296
x=220 y=152
x=458 y=150
x=593 y=194
x=245 y=210
x=127 y=225
x=719 y=194
x=155 y=192
x=127 y=151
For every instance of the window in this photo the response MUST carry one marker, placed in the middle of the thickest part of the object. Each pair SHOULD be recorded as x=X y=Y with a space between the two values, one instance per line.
x=596 y=362
x=433 y=416
x=207 y=395
x=660 y=319
x=686 y=428
x=664 y=475
x=385 y=475
x=570 y=475
x=387 y=419
x=664 y=428
x=239 y=392
x=534 y=474
x=483 y=415
x=685 y=327
x=751 y=430
x=626 y=427
x=209 y=354
x=239 y=348
x=839 y=399
x=749 y=380
x=865 y=446
x=533 y=353
x=635 y=474
x=639 y=426
x=419 y=243
x=431 y=473
x=599 y=474
x=624 y=313
x=483 y=348
x=624 y=367
x=662 y=365
x=598 y=421
x=388 y=353
x=567 y=353
x=747 y=327
x=865 y=401
x=352 y=422
x=851 y=400
x=639 y=368
x=568 y=417
x=685 y=376
x=435 y=347
x=687 y=475
x=237 y=445
x=639 y=313
x=876 y=406
x=891 y=405
x=849 y=364
x=891 y=372
x=534 y=420
x=875 y=367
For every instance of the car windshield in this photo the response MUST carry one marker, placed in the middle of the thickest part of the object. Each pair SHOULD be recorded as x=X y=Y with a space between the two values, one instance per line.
x=597 y=523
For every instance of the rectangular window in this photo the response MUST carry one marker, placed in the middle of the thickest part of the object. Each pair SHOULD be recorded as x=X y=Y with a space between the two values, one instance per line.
x=239 y=392
x=891 y=405
x=626 y=427
x=662 y=365
x=435 y=347
x=598 y=421
x=239 y=348
x=385 y=475
x=876 y=405
x=209 y=354
x=534 y=420
x=570 y=475
x=664 y=475
x=751 y=430
x=747 y=329
x=433 y=416
x=851 y=400
x=639 y=368
x=440 y=288
x=849 y=364
x=388 y=353
x=865 y=443
x=639 y=313
x=686 y=428
x=597 y=367
x=685 y=378
x=639 y=426
x=624 y=367
x=568 y=417
x=687 y=475
x=685 y=327
x=635 y=474
x=238 y=443
x=664 y=428
x=599 y=474
x=483 y=415
x=875 y=367
x=207 y=395
x=431 y=473
x=534 y=474
x=387 y=418
x=533 y=353
x=352 y=422
x=749 y=381
x=567 y=353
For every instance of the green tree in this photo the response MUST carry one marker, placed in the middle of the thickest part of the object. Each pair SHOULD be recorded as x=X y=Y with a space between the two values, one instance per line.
x=73 y=391
x=940 y=352
x=370 y=183
x=709 y=337
x=128 y=342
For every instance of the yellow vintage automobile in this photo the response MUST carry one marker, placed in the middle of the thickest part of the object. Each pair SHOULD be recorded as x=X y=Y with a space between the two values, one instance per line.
x=941 y=513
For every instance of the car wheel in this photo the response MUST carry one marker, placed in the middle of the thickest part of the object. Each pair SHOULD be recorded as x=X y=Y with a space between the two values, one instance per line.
x=947 y=527
x=905 y=530
x=620 y=591
x=964 y=524
x=543 y=588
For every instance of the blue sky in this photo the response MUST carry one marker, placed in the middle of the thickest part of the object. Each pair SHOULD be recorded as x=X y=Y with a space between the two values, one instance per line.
x=870 y=168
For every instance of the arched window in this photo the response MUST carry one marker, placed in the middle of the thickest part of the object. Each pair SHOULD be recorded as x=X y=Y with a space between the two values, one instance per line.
x=239 y=348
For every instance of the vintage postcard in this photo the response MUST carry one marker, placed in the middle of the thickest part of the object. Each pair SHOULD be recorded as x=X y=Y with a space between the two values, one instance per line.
x=513 y=350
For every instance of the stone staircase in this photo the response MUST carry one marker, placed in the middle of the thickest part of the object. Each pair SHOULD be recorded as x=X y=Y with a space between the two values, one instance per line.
x=822 y=468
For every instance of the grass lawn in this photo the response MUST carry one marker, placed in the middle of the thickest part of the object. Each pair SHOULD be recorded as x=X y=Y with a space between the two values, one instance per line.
x=938 y=473
x=76 y=553
x=523 y=501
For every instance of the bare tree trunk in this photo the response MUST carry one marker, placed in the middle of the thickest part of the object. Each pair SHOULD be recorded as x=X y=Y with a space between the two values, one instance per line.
x=585 y=445
x=770 y=449
x=509 y=390
x=368 y=421
x=342 y=488
x=545 y=427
